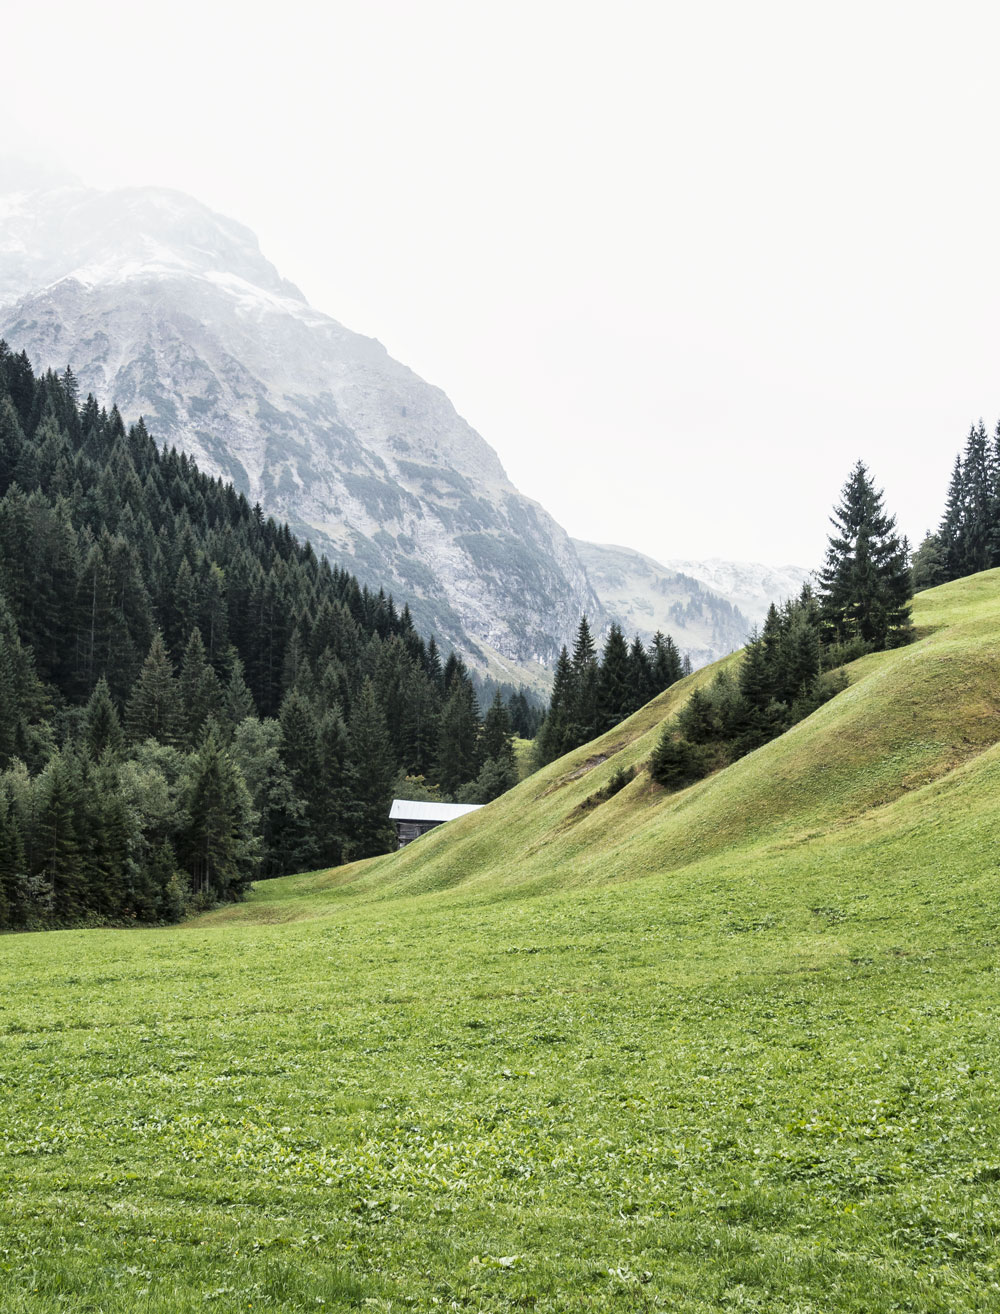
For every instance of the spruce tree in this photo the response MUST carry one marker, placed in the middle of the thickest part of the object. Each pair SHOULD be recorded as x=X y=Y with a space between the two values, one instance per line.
x=154 y=710
x=614 y=691
x=667 y=666
x=57 y=848
x=373 y=771
x=865 y=586
x=102 y=727
x=552 y=739
x=458 y=759
x=584 y=712
x=499 y=770
x=640 y=676
x=198 y=691
x=218 y=846
x=929 y=566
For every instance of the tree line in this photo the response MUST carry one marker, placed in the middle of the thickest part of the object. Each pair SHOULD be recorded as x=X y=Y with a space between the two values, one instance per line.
x=189 y=696
x=791 y=667
x=591 y=694
x=968 y=538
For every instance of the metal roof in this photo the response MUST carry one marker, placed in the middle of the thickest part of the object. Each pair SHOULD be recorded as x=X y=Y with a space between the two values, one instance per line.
x=404 y=809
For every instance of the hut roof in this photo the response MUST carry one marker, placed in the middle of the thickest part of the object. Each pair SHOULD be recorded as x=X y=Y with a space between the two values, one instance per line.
x=404 y=809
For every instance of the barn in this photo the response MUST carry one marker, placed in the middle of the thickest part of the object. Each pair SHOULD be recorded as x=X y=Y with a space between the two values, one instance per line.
x=411 y=818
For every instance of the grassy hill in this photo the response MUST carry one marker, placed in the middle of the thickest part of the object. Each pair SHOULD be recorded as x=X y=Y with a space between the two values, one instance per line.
x=881 y=754
x=730 y=1049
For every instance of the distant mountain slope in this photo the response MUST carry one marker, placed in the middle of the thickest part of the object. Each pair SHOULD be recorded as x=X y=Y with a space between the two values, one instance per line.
x=645 y=597
x=748 y=585
x=171 y=311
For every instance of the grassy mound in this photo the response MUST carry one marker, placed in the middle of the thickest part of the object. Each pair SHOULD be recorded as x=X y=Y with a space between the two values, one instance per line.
x=737 y=1051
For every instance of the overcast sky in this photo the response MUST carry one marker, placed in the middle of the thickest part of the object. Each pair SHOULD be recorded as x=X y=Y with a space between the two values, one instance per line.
x=681 y=264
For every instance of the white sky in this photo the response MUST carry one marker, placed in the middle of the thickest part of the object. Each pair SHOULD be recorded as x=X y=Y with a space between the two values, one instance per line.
x=681 y=264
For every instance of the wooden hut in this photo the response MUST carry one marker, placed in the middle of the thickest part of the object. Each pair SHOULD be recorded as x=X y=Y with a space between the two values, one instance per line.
x=412 y=818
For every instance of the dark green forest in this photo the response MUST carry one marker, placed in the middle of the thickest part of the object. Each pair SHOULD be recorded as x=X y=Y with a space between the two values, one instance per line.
x=190 y=697
x=592 y=693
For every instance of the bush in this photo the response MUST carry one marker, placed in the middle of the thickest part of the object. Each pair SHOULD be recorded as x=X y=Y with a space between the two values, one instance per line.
x=617 y=783
x=676 y=762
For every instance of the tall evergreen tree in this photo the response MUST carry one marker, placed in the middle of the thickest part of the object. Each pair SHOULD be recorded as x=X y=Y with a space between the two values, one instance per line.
x=458 y=759
x=584 y=719
x=102 y=727
x=218 y=847
x=198 y=691
x=154 y=710
x=865 y=586
x=614 y=693
x=374 y=772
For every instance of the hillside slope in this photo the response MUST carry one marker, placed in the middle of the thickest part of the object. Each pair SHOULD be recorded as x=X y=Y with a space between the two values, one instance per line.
x=909 y=737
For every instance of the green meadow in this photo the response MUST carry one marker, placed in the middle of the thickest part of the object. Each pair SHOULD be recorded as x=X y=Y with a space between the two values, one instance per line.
x=734 y=1048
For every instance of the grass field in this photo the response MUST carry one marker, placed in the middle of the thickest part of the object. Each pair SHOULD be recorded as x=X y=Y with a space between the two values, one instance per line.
x=732 y=1049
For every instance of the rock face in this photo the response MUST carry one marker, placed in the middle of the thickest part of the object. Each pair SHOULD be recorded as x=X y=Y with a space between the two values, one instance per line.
x=171 y=312
x=644 y=597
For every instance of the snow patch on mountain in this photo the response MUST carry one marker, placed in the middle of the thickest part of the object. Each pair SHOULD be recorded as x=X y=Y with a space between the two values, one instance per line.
x=749 y=585
x=171 y=312
x=645 y=596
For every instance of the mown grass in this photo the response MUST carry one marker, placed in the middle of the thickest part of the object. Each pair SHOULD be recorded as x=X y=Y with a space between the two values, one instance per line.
x=731 y=1049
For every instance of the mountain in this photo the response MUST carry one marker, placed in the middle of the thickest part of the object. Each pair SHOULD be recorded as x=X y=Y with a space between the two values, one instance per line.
x=645 y=597
x=748 y=585
x=171 y=311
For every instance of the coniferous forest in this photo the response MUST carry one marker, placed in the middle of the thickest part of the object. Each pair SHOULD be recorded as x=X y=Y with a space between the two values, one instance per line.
x=968 y=538
x=189 y=697
x=790 y=669
x=591 y=693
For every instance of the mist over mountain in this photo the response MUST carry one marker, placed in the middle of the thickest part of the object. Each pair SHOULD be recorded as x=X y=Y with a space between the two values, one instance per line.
x=170 y=311
x=748 y=585
x=645 y=596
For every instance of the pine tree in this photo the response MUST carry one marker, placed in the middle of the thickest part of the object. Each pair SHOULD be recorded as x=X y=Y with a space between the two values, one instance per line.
x=865 y=585
x=57 y=850
x=374 y=772
x=300 y=753
x=218 y=846
x=667 y=666
x=552 y=739
x=458 y=759
x=198 y=690
x=697 y=720
x=102 y=727
x=675 y=761
x=154 y=710
x=499 y=770
x=13 y=907
x=640 y=676
x=497 y=741
x=929 y=566
x=614 y=685
x=257 y=751
x=584 y=714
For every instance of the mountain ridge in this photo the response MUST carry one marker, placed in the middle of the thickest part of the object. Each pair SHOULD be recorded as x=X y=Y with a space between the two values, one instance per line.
x=172 y=312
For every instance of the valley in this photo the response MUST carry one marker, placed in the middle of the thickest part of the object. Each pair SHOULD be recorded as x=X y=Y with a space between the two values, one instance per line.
x=729 y=1048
